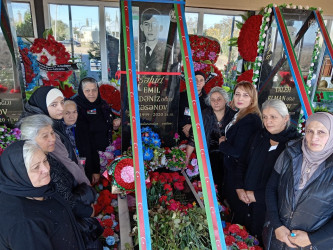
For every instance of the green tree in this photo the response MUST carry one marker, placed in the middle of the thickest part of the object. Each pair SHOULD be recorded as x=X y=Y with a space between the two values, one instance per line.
x=25 y=28
x=222 y=32
x=60 y=30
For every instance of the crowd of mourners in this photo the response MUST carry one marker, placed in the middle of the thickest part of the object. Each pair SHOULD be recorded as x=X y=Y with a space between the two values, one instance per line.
x=277 y=183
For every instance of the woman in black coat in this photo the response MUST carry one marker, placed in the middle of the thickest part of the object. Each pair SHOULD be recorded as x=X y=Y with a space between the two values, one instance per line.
x=299 y=196
x=32 y=214
x=257 y=163
x=94 y=126
x=237 y=134
x=184 y=116
x=215 y=118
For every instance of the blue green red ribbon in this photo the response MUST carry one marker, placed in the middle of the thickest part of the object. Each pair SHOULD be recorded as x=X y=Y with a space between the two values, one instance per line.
x=206 y=177
x=140 y=185
x=293 y=63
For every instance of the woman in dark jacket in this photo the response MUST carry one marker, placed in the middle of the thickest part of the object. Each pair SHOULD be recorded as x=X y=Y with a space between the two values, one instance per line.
x=257 y=163
x=299 y=196
x=237 y=134
x=38 y=129
x=49 y=101
x=215 y=118
x=32 y=215
x=94 y=126
x=184 y=116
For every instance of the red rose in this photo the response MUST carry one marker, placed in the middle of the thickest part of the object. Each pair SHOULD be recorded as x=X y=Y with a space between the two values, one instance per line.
x=234 y=229
x=244 y=234
x=229 y=240
x=242 y=245
x=148 y=185
x=108 y=232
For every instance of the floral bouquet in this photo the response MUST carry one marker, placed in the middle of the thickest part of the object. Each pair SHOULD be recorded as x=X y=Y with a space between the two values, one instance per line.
x=7 y=136
x=161 y=189
x=236 y=237
x=176 y=158
x=153 y=155
x=106 y=209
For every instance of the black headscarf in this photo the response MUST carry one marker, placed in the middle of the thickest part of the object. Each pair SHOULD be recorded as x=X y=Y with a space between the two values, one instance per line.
x=81 y=99
x=14 y=179
x=38 y=98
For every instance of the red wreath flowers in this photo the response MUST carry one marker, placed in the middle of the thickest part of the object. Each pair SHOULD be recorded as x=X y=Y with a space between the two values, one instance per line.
x=50 y=53
x=249 y=37
x=124 y=174
x=111 y=95
x=246 y=76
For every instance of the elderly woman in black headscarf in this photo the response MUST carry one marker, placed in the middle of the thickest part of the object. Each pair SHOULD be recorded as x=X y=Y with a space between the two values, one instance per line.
x=184 y=116
x=299 y=196
x=32 y=215
x=94 y=126
x=49 y=101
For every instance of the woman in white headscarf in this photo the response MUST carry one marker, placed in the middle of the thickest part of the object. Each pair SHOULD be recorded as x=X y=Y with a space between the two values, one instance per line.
x=299 y=194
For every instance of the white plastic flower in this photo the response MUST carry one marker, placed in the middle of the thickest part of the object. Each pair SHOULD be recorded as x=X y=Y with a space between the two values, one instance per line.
x=319 y=8
x=300 y=7
x=269 y=10
x=274 y=5
x=267 y=19
x=259 y=58
x=306 y=7
x=266 y=27
x=293 y=6
x=264 y=35
x=288 y=6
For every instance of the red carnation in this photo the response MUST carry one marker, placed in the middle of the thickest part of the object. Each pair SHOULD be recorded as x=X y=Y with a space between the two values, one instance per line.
x=234 y=229
x=242 y=245
x=109 y=210
x=244 y=234
x=68 y=91
x=107 y=223
x=178 y=185
x=229 y=240
x=105 y=182
x=162 y=179
x=108 y=232
x=167 y=188
x=163 y=198
x=246 y=76
x=249 y=37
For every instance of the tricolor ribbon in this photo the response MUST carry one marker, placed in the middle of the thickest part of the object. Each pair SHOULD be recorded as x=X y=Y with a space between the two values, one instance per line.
x=140 y=185
x=206 y=177
x=293 y=63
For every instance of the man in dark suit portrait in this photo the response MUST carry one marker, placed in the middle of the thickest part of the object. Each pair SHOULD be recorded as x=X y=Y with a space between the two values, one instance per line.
x=152 y=51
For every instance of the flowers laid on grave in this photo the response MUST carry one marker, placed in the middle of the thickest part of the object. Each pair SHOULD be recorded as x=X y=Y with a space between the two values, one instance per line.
x=106 y=211
x=236 y=237
x=7 y=136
